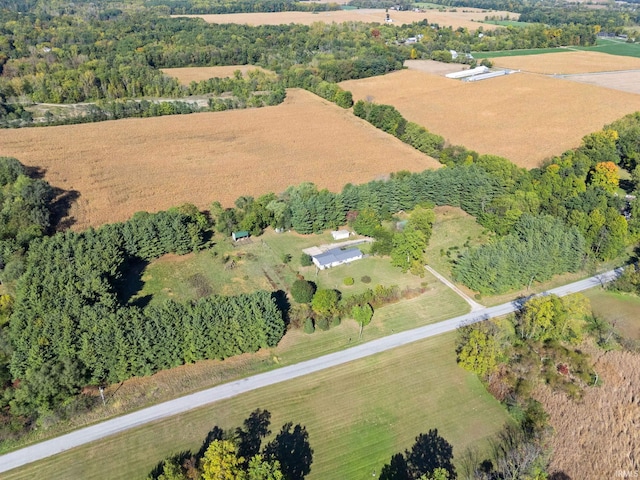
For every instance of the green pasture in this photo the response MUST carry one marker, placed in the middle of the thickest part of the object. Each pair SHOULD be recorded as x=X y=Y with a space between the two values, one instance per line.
x=357 y=416
x=516 y=53
x=227 y=269
x=620 y=310
x=603 y=45
x=507 y=23
x=452 y=229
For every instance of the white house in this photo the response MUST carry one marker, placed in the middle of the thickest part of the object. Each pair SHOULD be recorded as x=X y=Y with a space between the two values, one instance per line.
x=335 y=257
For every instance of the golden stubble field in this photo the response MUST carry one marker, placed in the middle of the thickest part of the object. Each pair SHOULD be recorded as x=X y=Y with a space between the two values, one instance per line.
x=470 y=18
x=569 y=62
x=124 y=166
x=186 y=75
x=524 y=117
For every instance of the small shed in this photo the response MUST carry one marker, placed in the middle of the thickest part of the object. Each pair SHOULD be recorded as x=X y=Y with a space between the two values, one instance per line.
x=239 y=235
x=335 y=257
x=340 y=234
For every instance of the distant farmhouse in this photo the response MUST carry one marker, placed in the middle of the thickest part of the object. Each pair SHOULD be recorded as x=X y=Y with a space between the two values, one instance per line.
x=335 y=257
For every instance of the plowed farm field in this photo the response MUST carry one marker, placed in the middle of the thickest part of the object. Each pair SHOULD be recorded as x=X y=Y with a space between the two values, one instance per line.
x=124 y=166
x=570 y=62
x=470 y=18
x=524 y=117
x=187 y=75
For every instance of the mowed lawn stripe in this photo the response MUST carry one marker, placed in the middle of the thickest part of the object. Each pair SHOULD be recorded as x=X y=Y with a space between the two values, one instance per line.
x=357 y=416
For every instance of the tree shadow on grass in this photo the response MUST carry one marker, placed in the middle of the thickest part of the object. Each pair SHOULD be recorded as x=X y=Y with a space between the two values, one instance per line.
x=292 y=449
x=430 y=452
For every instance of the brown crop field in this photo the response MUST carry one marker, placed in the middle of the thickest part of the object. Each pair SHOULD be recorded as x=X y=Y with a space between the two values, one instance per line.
x=569 y=62
x=523 y=117
x=187 y=75
x=124 y=166
x=470 y=18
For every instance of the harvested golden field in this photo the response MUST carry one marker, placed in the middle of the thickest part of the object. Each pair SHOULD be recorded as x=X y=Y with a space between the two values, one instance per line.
x=124 y=166
x=470 y=18
x=433 y=67
x=187 y=75
x=568 y=62
x=597 y=437
x=523 y=117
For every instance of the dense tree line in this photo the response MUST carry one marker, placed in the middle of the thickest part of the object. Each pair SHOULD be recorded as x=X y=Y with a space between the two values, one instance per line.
x=199 y=7
x=68 y=57
x=549 y=13
x=539 y=248
x=71 y=326
x=580 y=188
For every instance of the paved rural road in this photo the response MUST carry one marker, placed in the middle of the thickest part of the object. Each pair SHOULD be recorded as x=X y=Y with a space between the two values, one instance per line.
x=179 y=405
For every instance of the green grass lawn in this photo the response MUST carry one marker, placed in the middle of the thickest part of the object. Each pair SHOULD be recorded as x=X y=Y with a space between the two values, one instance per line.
x=226 y=268
x=612 y=47
x=378 y=269
x=452 y=229
x=516 y=53
x=507 y=23
x=357 y=416
x=622 y=311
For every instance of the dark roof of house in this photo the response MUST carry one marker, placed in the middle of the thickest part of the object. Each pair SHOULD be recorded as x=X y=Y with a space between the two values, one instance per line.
x=337 y=255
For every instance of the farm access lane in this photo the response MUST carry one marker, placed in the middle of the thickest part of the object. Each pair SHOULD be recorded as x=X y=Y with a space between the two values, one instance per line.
x=99 y=431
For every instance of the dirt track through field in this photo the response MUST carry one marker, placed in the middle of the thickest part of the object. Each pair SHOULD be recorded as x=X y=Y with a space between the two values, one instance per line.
x=523 y=117
x=124 y=166
x=470 y=18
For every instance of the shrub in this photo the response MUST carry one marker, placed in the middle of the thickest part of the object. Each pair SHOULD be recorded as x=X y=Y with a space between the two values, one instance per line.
x=348 y=281
x=308 y=326
x=286 y=258
x=305 y=260
x=302 y=291
x=365 y=279
x=323 y=324
x=335 y=322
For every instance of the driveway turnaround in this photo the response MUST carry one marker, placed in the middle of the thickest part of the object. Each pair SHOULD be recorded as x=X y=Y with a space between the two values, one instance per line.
x=99 y=431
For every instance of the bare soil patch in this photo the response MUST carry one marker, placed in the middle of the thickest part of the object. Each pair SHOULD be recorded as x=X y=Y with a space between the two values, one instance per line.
x=597 y=436
x=470 y=18
x=523 y=117
x=124 y=166
x=623 y=81
x=433 y=67
x=568 y=62
x=187 y=75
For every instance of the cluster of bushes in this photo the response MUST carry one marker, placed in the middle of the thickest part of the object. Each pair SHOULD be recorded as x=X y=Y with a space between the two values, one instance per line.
x=512 y=357
x=538 y=342
x=323 y=308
